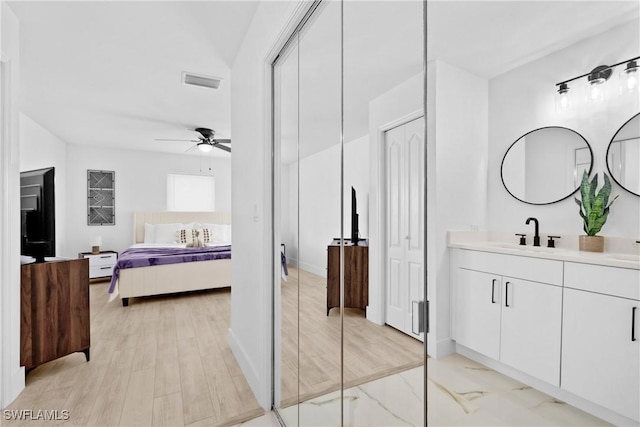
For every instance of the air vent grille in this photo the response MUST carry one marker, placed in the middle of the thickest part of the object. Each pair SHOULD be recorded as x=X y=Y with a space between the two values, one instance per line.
x=200 y=80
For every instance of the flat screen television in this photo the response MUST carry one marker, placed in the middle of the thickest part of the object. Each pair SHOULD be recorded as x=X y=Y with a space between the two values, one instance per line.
x=38 y=213
x=354 y=218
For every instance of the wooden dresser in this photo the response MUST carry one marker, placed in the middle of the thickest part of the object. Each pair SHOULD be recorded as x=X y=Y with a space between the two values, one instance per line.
x=356 y=276
x=54 y=311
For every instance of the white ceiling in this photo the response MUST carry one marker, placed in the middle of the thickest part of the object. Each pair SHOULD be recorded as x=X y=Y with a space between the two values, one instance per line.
x=109 y=73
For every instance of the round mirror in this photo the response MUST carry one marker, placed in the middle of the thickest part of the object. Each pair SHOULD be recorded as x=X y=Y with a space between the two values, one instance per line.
x=623 y=156
x=545 y=165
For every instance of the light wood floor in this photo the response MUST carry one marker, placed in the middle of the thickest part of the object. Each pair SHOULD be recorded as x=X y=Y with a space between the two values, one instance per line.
x=166 y=361
x=370 y=351
x=160 y=361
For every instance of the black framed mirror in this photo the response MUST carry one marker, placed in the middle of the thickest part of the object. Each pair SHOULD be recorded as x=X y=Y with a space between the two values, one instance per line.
x=545 y=165
x=623 y=156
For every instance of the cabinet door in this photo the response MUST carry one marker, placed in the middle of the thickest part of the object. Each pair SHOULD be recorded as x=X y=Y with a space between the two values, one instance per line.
x=531 y=326
x=477 y=322
x=600 y=361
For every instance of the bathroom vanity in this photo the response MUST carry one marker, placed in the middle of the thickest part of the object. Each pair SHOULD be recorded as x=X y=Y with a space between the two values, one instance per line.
x=560 y=320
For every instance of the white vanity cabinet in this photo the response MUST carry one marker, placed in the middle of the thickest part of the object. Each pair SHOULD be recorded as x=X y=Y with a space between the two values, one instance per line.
x=531 y=328
x=509 y=308
x=601 y=336
x=477 y=322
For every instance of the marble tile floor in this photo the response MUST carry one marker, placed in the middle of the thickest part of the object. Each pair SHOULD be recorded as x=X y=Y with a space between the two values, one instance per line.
x=461 y=392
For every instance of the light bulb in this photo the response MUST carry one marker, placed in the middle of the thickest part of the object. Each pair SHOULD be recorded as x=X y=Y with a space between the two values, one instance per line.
x=562 y=98
x=205 y=147
x=629 y=77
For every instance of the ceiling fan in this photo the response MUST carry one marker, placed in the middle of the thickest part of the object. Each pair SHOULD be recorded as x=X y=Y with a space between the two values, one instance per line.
x=206 y=141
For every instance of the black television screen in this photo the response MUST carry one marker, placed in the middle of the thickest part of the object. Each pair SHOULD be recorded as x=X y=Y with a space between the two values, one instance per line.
x=354 y=218
x=38 y=213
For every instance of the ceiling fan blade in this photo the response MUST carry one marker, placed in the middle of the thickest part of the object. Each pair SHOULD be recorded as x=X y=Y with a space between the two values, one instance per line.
x=180 y=140
x=222 y=141
x=222 y=147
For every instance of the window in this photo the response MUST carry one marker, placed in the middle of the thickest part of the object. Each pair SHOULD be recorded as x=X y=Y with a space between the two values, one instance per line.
x=194 y=193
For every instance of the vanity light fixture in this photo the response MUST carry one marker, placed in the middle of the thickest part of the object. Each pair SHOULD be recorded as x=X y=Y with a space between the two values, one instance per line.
x=629 y=82
x=629 y=77
x=562 y=98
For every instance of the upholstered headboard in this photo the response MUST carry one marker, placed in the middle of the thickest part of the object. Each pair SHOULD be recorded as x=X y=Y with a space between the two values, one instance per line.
x=140 y=218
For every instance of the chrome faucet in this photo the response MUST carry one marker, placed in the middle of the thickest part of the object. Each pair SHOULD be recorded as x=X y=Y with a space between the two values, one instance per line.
x=536 y=237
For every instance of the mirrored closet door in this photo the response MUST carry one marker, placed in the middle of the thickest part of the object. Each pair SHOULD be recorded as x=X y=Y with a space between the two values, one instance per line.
x=349 y=217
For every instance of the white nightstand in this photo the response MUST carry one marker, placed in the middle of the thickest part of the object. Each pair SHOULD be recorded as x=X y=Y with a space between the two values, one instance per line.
x=100 y=265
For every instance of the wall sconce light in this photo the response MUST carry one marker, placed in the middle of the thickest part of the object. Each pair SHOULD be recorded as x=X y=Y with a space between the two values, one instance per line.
x=629 y=81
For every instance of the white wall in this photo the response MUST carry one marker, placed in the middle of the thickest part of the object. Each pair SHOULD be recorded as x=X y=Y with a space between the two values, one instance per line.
x=250 y=332
x=523 y=99
x=11 y=374
x=319 y=208
x=140 y=185
x=457 y=140
x=39 y=148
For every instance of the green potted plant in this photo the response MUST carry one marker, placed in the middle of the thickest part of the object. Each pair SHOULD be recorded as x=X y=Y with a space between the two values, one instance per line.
x=594 y=209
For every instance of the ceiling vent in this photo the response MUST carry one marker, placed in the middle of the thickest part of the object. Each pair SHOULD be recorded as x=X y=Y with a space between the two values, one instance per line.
x=200 y=80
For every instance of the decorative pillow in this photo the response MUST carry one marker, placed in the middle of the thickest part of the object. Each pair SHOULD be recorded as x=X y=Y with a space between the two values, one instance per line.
x=190 y=236
x=220 y=233
x=198 y=235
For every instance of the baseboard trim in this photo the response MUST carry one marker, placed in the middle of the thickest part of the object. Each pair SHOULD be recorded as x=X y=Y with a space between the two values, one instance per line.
x=248 y=369
x=439 y=349
x=13 y=387
x=560 y=394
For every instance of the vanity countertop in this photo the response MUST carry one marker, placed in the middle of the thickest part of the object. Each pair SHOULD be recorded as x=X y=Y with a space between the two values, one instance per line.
x=464 y=240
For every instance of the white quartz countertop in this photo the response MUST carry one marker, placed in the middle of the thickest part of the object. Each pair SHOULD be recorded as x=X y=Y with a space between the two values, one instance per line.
x=612 y=259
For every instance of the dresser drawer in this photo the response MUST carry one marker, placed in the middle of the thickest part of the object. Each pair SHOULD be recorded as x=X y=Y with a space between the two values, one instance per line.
x=102 y=259
x=100 y=271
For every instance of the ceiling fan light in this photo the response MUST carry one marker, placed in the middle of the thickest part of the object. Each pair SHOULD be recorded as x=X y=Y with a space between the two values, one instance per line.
x=205 y=147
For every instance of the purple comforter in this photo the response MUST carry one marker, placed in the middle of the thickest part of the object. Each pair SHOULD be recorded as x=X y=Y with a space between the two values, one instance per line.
x=145 y=257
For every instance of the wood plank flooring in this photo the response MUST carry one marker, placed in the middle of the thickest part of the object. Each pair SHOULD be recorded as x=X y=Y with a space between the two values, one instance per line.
x=165 y=361
x=161 y=361
x=370 y=351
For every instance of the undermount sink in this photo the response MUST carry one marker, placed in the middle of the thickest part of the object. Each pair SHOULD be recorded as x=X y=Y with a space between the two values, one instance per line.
x=625 y=257
x=523 y=247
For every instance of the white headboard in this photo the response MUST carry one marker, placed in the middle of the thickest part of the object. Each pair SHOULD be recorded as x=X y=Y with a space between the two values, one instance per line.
x=140 y=218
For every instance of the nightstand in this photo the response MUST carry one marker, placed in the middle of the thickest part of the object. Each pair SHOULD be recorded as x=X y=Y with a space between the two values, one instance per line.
x=101 y=264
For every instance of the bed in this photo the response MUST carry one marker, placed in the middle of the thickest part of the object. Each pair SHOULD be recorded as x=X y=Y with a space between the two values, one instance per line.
x=172 y=278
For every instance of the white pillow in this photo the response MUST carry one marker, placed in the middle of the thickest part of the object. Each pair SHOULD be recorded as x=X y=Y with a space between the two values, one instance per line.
x=220 y=233
x=149 y=233
x=166 y=233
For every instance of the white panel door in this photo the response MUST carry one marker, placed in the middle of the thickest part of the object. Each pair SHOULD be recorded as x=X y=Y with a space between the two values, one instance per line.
x=404 y=149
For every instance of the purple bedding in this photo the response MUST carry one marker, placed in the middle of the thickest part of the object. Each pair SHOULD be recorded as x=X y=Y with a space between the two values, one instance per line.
x=146 y=257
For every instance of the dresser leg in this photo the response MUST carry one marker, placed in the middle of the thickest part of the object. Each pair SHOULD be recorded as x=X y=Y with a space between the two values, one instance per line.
x=125 y=302
x=86 y=354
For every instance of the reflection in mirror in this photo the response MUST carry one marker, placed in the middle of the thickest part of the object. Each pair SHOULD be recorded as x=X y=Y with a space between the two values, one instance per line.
x=623 y=156
x=383 y=158
x=286 y=295
x=545 y=165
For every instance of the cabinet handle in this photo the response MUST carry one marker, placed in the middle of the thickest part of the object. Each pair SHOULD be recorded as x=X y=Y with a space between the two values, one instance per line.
x=506 y=294
x=105 y=256
x=104 y=268
x=493 y=291
x=633 y=323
